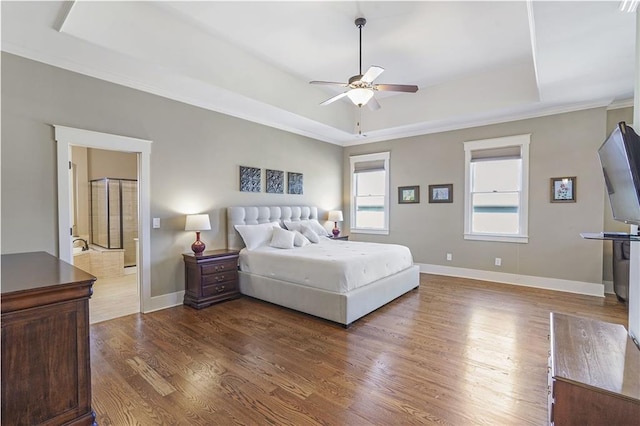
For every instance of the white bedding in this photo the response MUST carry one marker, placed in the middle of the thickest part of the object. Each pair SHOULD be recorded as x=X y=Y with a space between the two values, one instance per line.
x=336 y=266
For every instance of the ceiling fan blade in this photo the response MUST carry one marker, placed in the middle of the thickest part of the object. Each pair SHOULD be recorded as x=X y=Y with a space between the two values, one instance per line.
x=373 y=104
x=332 y=83
x=335 y=98
x=372 y=73
x=396 y=88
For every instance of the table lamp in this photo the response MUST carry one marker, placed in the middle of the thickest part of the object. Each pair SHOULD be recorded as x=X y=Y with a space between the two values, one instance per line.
x=335 y=216
x=197 y=222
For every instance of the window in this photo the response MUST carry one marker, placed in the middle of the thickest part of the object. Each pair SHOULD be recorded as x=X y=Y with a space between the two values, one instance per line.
x=370 y=193
x=497 y=187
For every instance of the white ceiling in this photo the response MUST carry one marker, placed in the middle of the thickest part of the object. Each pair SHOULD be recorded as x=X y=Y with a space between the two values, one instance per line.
x=474 y=62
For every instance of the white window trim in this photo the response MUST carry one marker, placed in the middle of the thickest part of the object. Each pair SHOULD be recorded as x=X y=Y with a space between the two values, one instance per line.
x=370 y=157
x=523 y=142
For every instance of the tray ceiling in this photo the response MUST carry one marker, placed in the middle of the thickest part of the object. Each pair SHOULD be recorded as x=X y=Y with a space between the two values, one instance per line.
x=475 y=62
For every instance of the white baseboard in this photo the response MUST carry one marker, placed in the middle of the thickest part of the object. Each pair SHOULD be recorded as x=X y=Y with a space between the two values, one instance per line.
x=164 y=301
x=589 y=289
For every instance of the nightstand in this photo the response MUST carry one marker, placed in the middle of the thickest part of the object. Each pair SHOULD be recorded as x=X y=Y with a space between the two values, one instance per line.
x=210 y=277
x=339 y=237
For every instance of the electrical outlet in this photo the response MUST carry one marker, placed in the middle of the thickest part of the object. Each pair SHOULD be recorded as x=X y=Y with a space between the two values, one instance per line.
x=498 y=261
x=449 y=256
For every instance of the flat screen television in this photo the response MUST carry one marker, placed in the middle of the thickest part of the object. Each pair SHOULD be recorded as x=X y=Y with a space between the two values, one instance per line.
x=620 y=160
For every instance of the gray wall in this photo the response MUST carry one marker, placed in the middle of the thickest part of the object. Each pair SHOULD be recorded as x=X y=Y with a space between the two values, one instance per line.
x=194 y=168
x=561 y=145
x=194 y=160
x=103 y=163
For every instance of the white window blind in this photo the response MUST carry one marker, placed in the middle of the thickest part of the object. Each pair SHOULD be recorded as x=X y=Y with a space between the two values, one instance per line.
x=370 y=193
x=496 y=193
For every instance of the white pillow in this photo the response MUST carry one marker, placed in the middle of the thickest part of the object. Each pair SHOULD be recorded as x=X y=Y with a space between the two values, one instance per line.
x=313 y=224
x=300 y=240
x=310 y=234
x=293 y=226
x=282 y=238
x=317 y=228
x=255 y=236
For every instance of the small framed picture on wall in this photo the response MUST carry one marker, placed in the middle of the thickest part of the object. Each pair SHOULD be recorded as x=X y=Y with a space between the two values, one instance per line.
x=563 y=189
x=441 y=193
x=408 y=194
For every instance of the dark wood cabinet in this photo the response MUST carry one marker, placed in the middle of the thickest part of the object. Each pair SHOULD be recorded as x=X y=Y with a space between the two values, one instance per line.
x=46 y=371
x=210 y=277
x=594 y=373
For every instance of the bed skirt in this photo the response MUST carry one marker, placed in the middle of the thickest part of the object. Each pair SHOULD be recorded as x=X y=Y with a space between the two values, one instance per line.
x=343 y=308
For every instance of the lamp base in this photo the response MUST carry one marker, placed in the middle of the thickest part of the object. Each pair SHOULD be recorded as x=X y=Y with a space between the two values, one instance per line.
x=198 y=246
x=336 y=230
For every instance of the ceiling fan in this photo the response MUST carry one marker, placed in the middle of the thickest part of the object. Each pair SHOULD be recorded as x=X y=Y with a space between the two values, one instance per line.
x=361 y=86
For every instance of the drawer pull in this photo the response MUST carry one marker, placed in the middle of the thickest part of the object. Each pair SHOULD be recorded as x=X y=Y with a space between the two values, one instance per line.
x=219 y=268
x=220 y=278
x=221 y=289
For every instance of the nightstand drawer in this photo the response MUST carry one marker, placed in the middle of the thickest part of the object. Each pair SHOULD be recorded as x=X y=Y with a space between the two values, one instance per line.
x=219 y=278
x=223 y=266
x=220 y=289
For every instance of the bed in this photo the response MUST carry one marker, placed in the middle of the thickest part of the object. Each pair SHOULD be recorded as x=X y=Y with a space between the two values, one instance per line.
x=353 y=280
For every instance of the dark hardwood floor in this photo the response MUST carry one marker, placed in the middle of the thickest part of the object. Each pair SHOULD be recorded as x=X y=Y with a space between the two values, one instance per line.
x=455 y=351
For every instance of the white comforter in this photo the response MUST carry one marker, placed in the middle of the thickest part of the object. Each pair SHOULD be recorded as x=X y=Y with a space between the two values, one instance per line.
x=337 y=266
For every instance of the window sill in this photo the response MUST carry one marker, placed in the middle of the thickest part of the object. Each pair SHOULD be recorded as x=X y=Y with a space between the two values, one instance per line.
x=520 y=239
x=370 y=231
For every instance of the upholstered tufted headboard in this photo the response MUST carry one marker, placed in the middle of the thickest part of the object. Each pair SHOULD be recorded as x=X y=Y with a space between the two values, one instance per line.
x=254 y=215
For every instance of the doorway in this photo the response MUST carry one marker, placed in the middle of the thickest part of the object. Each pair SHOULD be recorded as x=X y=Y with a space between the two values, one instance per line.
x=104 y=223
x=67 y=138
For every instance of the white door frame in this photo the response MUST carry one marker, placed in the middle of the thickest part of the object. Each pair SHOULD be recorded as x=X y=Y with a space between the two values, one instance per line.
x=68 y=136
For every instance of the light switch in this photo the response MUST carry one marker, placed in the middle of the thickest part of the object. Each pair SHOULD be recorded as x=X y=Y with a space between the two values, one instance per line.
x=156 y=222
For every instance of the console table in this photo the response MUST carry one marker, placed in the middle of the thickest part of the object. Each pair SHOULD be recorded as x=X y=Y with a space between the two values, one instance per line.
x=46 y=371
x=594 y=373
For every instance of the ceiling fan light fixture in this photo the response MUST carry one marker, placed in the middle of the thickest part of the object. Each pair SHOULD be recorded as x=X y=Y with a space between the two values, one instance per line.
x=360 y=96
x=361 y=86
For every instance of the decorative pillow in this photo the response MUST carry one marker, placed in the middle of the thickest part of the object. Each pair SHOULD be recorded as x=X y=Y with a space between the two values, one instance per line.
x=310 y=234
x=300 y=240
x=313 y=224
x=282 y=238
x=293 y=226
x=317 y=228
x=255 y=236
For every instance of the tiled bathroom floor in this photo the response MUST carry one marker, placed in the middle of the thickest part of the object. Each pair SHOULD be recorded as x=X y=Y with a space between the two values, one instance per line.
x=113 y=298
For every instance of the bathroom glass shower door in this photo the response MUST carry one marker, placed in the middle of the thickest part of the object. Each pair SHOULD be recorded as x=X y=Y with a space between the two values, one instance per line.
x=114 y=215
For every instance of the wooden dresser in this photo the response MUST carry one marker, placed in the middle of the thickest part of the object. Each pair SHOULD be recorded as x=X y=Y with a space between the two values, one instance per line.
x=46 y=371
x=594 y=373
x=210 y=277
